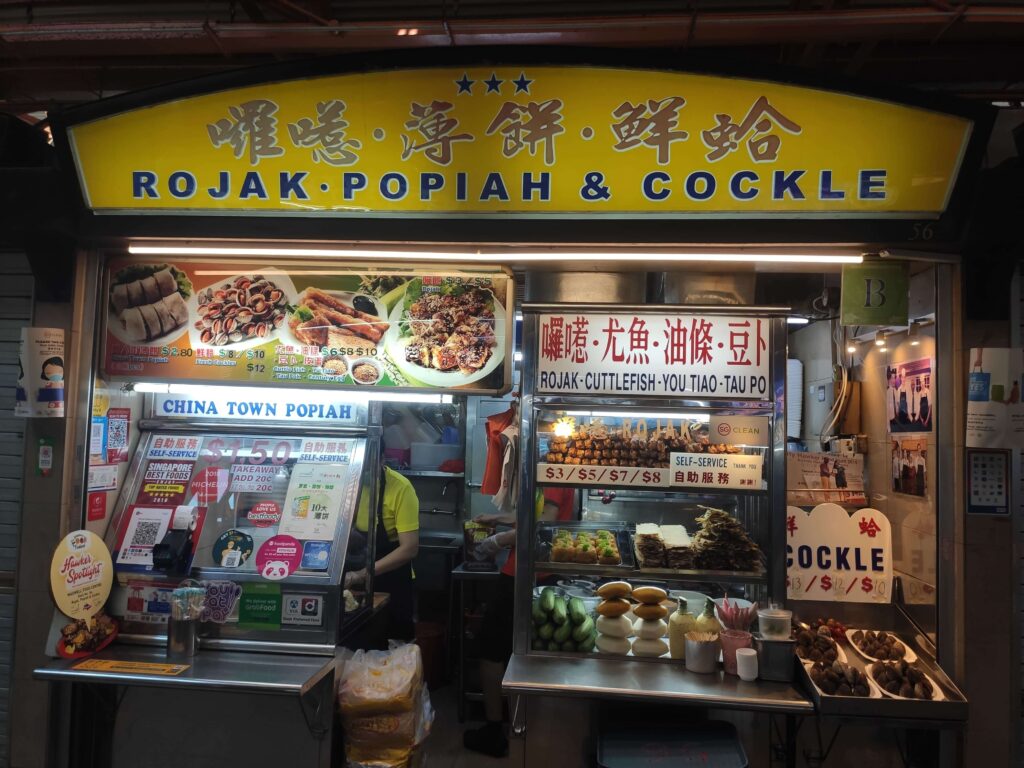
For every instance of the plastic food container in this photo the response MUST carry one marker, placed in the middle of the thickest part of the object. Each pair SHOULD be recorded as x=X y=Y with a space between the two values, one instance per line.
x=774 y=623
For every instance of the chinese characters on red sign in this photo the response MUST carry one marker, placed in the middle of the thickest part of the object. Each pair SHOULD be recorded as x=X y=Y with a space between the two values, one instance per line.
x=709 y=356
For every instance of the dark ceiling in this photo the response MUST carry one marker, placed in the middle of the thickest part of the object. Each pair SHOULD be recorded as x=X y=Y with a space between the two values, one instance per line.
x=60 y=52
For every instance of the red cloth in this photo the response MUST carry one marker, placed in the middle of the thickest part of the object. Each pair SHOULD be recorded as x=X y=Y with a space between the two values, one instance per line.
x=496 y=424
x=562 y=498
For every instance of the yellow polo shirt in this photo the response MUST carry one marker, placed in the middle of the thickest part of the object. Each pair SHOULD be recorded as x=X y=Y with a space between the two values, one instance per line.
x=401 y=506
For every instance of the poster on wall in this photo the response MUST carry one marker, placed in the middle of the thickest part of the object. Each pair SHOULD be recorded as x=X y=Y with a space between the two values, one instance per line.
x=240 y=324
x=995 y=413
x=815 y=478
x=40 y=388
x=910 y=466
x=910 y=396
x=834 y=555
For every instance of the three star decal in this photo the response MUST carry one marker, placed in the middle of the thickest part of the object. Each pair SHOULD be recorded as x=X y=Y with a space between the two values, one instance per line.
x=493 y=84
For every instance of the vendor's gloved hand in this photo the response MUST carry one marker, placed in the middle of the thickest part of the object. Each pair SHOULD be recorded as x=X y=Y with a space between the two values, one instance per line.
x=355 y=578
x=489 y=546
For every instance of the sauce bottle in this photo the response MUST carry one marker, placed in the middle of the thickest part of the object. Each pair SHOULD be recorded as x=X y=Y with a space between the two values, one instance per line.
x=679 y=624
x=707 y=622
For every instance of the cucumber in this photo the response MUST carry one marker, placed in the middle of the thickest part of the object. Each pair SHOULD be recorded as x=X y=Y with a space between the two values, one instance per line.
x=392 y=297
x=553 y=646
x=584 y=630
x=539 y=645
x=546 y=632
x=568 y=645
x=563 y=633
x=547 y=599
x=577 y=611
x=560 y=614
x=539 y=617
x=586 y=645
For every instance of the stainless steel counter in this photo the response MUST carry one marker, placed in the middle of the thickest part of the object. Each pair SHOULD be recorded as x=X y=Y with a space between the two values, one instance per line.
x=644 y=681
x=225 y=671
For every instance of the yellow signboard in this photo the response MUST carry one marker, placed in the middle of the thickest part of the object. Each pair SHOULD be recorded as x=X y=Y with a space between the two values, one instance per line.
x=131 y=667
x=81 y=574
x=560 y=141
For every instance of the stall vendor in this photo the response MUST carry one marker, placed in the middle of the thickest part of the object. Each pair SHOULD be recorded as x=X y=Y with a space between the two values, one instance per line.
x=396 y=546
x=496 y=635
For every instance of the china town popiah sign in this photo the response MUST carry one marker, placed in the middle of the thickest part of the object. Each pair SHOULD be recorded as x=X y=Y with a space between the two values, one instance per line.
x=654 y=355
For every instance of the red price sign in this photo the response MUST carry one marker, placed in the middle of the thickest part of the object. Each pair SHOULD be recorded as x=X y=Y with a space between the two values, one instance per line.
x=604 y=476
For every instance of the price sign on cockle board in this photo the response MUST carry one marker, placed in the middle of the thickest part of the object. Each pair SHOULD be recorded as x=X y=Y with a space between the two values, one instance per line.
x=654 y=355
x=832 y=555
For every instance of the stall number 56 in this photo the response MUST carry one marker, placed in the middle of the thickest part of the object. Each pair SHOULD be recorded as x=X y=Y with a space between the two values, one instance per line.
x=282 y=451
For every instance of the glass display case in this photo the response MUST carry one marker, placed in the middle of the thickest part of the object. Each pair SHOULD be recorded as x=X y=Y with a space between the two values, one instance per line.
x=265 y=517
x=666 y=426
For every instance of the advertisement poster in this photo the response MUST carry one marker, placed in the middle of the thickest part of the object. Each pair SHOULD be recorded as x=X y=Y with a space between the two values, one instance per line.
x=164 y=483
x=909 y=396
x=118 y=431
x=834 y=555
x=653 y=355
x=815 y=478
x=910 y=466
x=232 y=323
x=40 y=388
x=995 y=413
x=81 y=575
x=313 y=505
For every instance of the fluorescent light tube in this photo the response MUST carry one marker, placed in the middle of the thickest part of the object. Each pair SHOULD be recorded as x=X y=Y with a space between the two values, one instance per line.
x=494 y=256
x=797 y=320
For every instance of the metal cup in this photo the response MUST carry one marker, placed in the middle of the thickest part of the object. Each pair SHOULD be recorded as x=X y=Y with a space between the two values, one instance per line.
x=181 y=638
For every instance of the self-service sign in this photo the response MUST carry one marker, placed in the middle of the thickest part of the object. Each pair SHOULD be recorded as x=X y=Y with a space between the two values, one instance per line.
x=832 y=555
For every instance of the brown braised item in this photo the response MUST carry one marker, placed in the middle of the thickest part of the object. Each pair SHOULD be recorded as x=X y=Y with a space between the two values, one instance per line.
x=82 y=635
x=838 y=679
x=248 y=307
x=837 y=629
x=879 y=645
x=451 y=331
x=816 y=646
x=598 y=445
x=901 y=679
x=722 y=543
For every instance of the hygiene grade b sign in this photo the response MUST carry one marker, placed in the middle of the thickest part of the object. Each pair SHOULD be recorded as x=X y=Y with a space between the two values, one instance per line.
x=654 y=355
x=560 y=141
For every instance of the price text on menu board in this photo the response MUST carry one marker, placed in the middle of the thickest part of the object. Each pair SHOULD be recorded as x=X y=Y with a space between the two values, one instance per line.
x=654 y=355
x=685 y=470
x=201 y=321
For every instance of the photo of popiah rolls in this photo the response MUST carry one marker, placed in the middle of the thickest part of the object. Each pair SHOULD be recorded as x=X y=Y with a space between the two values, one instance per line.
x=148 y=300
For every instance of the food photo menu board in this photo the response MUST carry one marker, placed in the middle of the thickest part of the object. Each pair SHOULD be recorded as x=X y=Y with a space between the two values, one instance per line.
x=305 y=325
x=264 y=506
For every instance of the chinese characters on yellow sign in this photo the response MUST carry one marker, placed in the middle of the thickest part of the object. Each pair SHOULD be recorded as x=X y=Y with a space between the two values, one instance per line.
x=552 y=140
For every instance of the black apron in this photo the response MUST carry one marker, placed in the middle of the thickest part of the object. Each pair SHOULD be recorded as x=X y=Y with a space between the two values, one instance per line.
x=397 y=583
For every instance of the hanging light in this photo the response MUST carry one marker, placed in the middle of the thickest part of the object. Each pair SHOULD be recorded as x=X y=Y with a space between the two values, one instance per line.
x=851 y=349
x=913 y=333
x=880 y=339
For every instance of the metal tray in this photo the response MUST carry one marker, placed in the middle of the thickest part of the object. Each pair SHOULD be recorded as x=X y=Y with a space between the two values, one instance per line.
x=950 y=711
x=546 y=532
x=736 y=577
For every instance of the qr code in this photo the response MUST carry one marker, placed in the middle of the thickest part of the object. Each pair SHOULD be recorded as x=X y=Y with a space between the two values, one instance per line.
x=96 y=439
x=117 y=434
x=145 y=534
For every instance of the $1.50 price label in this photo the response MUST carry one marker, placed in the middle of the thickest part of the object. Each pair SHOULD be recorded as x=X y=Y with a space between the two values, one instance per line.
x=570 y=474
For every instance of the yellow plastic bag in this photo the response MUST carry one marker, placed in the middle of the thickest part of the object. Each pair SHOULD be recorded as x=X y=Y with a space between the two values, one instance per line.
x=380 y=682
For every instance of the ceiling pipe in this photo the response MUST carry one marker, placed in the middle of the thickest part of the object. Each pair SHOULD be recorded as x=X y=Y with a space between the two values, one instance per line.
x=710 y=29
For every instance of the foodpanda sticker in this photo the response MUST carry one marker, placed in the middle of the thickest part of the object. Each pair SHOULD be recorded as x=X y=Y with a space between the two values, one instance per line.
x=278 y=557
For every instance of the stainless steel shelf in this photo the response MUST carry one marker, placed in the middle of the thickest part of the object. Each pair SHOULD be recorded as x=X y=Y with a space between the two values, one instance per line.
x=664 y=574
x=669 y=683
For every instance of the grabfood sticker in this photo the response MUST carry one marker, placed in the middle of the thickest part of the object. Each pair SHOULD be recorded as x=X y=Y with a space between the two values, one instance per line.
x=81 y=574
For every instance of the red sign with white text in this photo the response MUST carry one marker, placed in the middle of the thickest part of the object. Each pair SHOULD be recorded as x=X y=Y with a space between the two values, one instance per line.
x=654 y=355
